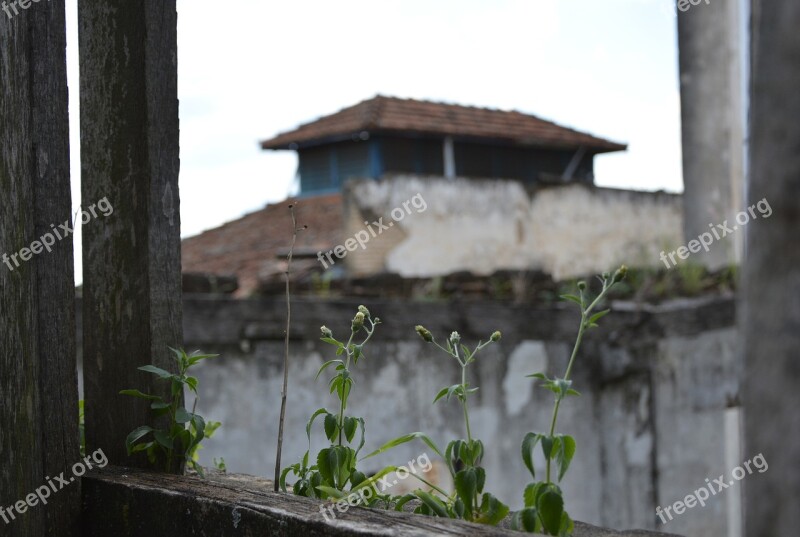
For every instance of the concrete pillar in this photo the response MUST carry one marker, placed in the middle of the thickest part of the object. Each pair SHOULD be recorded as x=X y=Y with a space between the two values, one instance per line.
x=770 y=301
x=711 y=123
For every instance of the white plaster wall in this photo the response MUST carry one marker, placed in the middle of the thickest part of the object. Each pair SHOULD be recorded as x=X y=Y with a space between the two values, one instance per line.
x=485 y=225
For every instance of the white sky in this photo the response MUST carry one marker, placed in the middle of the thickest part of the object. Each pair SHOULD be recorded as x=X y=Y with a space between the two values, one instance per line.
x=249 y=69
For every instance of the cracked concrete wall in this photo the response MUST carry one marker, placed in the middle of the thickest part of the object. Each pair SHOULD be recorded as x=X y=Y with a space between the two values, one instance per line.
x=651 y=424
x=657 y=416
x=486 y=225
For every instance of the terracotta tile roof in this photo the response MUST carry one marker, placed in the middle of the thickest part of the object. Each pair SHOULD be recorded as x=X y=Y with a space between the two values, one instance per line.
x=254 y=247
x=393 y=115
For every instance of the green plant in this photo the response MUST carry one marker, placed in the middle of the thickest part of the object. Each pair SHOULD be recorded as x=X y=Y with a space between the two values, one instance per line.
x=335 y=466
x=82 y=427
x=462 y=456
x=175 y=445
x=285 y=389
x=194 y=453
x=544 y=502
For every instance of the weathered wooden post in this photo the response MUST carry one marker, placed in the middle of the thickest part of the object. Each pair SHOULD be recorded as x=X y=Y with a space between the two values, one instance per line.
x=132 y=267
x=38 y=378
x=770 y=312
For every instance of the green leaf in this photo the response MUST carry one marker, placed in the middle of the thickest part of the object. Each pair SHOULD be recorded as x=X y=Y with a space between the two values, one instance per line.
x=350 y=425
x=458 y=508
x=163 y=438
x=573 y=298
x=311 y=421
x=436 y=505
x=466 y=484
x=194 y=358
x=192 y=383
x=480 y=473
x=531 y=493
x=547 y=446
x=373 y=478
x=565 y=453
x=398 y=506
x=528 y=444
x=155 y=405
x=136 y=435
x=541 y=376
x=199 y=425
x=527 y=519
x=447 y=392
x=140 y=395
x=363 y=435
x=597 y=316
x=331 y=341
x=328 y=464
x=441 y=394
x=356 y=477
x=211 y=428
x=567 y=526
x=284 y=473
x=156 y=371
x=332 y=492
x=325 y=365
x=404 y=439
x=550 y=507
x=331 y=427
x=182 y=416
x=141 y=447
x=493 y=510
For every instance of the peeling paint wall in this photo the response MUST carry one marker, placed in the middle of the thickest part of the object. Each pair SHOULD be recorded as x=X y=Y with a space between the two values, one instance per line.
x=486 y=225
x=658 y=385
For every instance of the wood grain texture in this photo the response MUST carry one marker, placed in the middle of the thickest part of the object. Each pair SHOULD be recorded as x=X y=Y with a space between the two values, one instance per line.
x=770 y=313
x=129 y=152
x=38 y=378
x=125 y=502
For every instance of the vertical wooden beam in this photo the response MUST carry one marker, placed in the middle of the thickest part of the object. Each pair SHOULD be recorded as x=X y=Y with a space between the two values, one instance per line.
x=38 y=377
x=132 y=267
x=770 y=312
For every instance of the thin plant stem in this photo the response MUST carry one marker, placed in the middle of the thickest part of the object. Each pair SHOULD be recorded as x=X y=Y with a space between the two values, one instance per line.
x=584 y=317
x=345 y=393
x=286 y=347
x=343 y=398
x=466 y=412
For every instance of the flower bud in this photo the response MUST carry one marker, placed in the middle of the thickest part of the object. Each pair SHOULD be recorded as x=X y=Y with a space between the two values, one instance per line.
x=326 y=332
x=364 y=310
x=424 y=333
x=619 y=275
x=582 y=285
x=358 y=321
x=496 y=336
x=455 y=339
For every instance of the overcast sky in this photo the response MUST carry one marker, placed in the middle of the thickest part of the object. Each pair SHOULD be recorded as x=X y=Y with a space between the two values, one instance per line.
x=249 y=69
